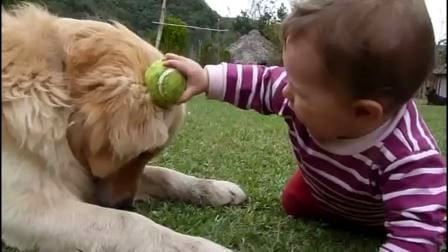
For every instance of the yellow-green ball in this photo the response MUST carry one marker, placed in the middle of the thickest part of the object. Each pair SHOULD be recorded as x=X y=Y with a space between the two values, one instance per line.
x=165 y=85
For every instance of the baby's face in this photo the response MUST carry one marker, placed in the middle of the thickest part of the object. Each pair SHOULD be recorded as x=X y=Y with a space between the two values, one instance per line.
x=315 y=98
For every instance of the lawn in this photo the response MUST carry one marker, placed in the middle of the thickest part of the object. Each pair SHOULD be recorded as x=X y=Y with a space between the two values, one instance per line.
x=222 y=142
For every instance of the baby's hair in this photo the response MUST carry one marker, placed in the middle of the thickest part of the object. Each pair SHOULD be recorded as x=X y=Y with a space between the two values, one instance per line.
x=381 y=49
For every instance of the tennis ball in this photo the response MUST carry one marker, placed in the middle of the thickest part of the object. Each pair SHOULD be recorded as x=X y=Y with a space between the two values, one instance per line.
x=165 y=85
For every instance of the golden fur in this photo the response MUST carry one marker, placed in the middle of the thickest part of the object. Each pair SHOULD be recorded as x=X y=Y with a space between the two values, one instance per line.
x=78 y=126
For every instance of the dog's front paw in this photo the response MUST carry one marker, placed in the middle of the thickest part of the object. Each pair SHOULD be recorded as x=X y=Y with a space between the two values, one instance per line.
x=198 y=244
x=219 y=192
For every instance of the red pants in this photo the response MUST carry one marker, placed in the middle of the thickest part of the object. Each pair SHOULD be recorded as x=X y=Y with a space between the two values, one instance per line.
x=297 y=200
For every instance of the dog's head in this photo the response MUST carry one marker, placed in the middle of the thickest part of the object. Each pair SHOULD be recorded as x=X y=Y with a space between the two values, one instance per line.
x=115 y=128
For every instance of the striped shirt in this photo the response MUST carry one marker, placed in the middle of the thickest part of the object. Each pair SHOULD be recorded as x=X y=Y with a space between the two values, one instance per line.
x=394 y=176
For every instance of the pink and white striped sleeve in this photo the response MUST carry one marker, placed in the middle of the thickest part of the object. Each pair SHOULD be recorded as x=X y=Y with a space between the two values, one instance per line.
x=414 y=195
x=248 y=86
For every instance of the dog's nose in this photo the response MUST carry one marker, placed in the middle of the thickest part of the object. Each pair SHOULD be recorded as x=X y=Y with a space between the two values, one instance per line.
x=123 y=204
x=126 y=204
x=106 y=196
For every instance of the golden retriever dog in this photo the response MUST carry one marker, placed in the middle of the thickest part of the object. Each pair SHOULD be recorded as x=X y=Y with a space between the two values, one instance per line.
x=78 y=129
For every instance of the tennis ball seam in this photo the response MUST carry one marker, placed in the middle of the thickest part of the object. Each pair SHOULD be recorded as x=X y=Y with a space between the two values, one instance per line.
x=160 y=82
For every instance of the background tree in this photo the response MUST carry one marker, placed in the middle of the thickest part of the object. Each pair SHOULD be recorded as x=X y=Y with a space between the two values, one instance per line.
x=441 y=53
x=138 y=15
x=243 y=24
x=264 y=17
x=282 y=12
x=174 y=38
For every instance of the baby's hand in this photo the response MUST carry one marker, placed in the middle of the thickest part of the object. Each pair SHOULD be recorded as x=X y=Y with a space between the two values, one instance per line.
x=197 y=77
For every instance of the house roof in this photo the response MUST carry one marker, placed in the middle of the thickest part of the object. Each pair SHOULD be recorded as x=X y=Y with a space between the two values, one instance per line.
x=252 y=48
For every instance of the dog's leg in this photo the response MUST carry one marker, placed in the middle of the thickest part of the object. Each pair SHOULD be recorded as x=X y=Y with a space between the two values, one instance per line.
x=164 y=183
x=77 y=226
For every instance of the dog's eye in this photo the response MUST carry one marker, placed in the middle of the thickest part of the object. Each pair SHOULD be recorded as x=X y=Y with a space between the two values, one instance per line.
x=63 y=66
x=96 y=179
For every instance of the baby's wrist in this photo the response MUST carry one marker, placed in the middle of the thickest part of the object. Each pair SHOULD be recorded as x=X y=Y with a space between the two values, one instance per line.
x=205 y=86
x=215 y=77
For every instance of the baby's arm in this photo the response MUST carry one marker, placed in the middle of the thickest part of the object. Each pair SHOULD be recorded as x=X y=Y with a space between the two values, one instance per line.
x=248 y=86
x=414 y=195
x=245 y=86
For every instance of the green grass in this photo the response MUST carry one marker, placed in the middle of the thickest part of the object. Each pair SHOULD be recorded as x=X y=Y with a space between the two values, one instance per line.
x=222 y=142
x=435 y=117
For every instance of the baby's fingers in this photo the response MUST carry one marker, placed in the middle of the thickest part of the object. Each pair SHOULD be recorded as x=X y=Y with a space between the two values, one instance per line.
x=188 y=93
x=181 y=66
x=169 y=56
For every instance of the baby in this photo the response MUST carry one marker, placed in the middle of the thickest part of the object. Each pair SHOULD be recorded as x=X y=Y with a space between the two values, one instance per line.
x=365 y=155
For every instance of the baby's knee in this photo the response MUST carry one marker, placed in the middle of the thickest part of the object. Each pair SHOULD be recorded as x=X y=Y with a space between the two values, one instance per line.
x=290 y=205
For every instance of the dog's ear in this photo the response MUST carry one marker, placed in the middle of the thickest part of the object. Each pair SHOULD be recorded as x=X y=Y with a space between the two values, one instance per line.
x=91 y=148
x=113 y=112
